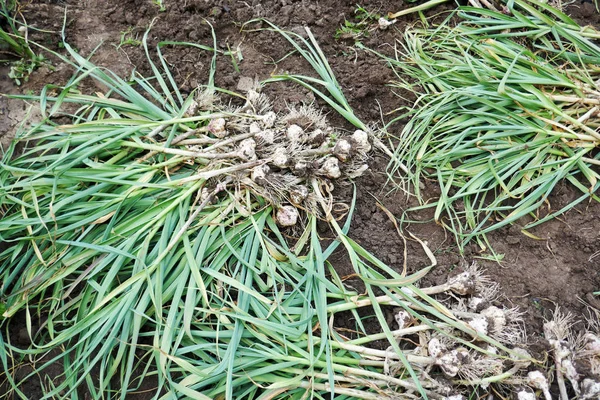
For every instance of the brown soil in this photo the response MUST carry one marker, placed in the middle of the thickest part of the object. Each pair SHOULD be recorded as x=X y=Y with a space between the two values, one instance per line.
x=561 y=268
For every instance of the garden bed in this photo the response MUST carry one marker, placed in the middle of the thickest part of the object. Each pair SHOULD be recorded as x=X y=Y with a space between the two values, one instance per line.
x=557 y=264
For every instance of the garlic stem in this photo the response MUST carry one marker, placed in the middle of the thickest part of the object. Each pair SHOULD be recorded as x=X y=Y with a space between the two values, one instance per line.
x=573 y=99
x=176 y=140
x=196 y=141
x=156 y=131
x=230 y=140
x=396 y=333
x=321 y=151
x=216 y=172
x=560 y=380
x=492 y=379
x=339 y=390
x=385 y=354
x=444 y=287
x=180 y=152
x=359 y=301
x=180 y=138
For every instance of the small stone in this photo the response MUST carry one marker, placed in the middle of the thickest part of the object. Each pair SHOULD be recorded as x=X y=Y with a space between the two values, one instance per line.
x=245 y=84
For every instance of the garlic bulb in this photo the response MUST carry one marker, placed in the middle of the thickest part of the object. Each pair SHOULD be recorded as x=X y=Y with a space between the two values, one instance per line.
x=192 y=109
x=300 y=168
x=259 y=174
x=384 y=23
x=247 y=149
x=342 y=149
x=435 y=347
x=279 y=157
x=592 y=344
x=295 y=134
x=537 y=380
x=496 y=318
x=205 y=195
x=254 y=128
x=269 y=119
x=403 y=319
x=590 y=389
x=265 y=137
x=330 y=168
x=317 y=137
x=452 y=361
x=287 y=216
x=361 y=141
x=480 y=324
x=526 y=394
x=357 y=172
x=475 y=302
x=298 y=194
x=217 y=127
x=521 y=357
x=463 y=283
x=571 y=374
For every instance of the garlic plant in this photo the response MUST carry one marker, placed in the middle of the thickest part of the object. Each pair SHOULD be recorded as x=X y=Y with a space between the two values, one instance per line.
x=479 y=347
x=576 y=357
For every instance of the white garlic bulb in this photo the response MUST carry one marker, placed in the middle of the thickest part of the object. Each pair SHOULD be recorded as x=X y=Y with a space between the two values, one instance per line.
x=496 y=318
x=590 y=389
x=266 y=137
x=537 y=380
x=480 y=324
x=295 y=134
x=269 y=119
x=342 y=149
x=300 y=168
x=361 y=141
x=330 y=168
x=526 y=394
x=298 y=194
x=317 y=137
x=217 y=127
x=287 y=216
x=259 y=174
x=403 y=319
x=254 y=128
x=247 y=149
x=435 y=348
x=280 y=158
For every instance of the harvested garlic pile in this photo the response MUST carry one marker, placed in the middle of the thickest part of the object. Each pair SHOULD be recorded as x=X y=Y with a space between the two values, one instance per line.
x=278 y=155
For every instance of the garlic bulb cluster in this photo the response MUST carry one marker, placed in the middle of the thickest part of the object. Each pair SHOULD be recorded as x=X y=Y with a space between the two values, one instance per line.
x=287 y=151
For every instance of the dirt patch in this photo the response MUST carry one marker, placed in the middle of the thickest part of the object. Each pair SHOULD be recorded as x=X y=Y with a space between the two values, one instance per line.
x=559 y=267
